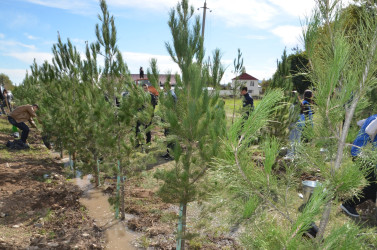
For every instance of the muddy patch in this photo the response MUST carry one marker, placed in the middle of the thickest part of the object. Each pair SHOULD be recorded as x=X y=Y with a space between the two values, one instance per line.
x=118 y=236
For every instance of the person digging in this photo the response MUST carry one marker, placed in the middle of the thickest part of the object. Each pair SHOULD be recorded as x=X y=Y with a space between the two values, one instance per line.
x=19 y=116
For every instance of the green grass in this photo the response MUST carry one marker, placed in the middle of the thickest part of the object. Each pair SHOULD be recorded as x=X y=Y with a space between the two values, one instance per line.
x=5 y=127
x=229 y=105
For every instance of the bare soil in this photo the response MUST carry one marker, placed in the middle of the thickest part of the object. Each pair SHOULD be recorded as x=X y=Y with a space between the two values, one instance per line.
x=158 y=220
x=39 y=208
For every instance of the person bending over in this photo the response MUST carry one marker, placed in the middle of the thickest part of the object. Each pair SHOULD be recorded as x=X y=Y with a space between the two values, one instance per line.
x=22 y=114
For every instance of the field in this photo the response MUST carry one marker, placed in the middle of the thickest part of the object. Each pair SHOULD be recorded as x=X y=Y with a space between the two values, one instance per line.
x=230 y=105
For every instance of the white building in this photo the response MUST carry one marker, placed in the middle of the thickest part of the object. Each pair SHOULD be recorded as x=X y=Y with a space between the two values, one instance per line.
x=250 y=82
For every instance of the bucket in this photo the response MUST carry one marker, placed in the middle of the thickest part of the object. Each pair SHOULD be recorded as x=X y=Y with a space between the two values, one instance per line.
x=308 y=188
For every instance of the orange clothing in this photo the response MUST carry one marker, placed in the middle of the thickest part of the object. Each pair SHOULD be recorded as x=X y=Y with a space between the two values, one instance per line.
x=23 y=113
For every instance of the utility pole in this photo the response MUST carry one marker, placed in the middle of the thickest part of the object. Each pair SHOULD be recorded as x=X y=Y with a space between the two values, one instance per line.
x=204 y=16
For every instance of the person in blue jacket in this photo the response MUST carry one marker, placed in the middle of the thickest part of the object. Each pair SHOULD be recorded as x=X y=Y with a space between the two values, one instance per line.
x=367 y=134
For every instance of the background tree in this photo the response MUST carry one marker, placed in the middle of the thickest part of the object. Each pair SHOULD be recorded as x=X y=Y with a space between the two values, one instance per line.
x=283 y=118
x=298 y=70
x=265 y=85
x=153 y=73
x=214 y=70
x=6 y=82
x=238 y=67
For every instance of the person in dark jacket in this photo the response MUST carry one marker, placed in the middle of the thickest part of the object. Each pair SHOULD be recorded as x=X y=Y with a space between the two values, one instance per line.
x=141 y=73
x=247 y=102
x=367 y=134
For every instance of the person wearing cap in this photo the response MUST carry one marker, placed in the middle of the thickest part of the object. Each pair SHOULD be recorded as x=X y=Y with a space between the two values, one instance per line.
x=366 y=135
x=22 y=114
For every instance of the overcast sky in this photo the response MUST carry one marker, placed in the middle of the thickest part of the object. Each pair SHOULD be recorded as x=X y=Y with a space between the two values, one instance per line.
x=260 y=28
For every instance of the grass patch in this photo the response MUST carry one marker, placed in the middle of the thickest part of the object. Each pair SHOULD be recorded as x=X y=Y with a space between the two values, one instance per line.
x=229 y=105
x=5 y=126
x=5 y=154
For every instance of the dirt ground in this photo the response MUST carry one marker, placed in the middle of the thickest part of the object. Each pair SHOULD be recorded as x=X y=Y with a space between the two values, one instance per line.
x=158 y=220
x=39 y=208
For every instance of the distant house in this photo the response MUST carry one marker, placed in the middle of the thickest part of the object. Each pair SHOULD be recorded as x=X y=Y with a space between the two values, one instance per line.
x=250 y=82
x=162 y=80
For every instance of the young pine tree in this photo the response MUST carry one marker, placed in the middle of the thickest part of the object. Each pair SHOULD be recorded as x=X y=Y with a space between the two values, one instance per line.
x=122 y=118
x=197 y=119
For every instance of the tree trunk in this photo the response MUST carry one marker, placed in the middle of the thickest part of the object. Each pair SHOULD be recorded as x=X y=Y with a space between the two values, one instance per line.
x=323 y=223
x=182 y=226
x=94 y=169
x=117 y=193
x=122 y=214
x=74 y=160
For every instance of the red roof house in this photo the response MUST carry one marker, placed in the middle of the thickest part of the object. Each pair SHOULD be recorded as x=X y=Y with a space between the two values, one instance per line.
x=249 y=81
x=245 y=76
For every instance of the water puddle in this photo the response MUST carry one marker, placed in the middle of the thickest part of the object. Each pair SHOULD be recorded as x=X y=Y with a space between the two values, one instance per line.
x=118 y=236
